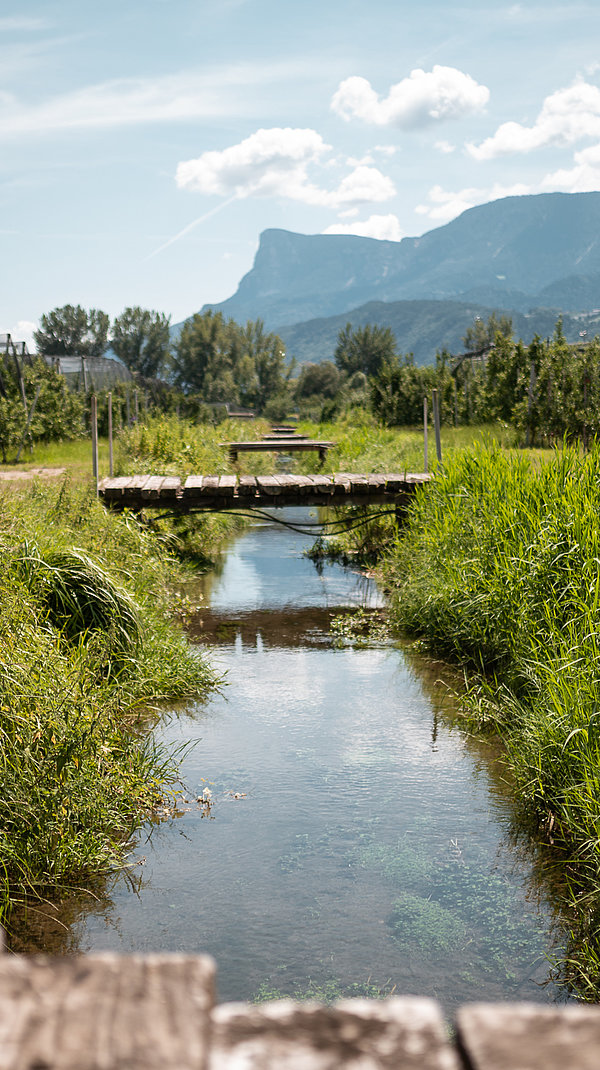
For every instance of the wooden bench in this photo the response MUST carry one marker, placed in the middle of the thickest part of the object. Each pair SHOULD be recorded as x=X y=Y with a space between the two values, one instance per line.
x=279 y=445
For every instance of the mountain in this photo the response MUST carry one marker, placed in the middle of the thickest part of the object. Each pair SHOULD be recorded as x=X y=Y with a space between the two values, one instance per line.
x=513 y=253
x=423 y=327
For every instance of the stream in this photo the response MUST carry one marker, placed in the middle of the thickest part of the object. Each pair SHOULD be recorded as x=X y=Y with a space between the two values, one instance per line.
x=351 y=838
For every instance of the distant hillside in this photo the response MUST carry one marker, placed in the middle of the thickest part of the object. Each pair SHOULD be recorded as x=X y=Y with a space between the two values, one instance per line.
x=422 y=327
x=519 y=253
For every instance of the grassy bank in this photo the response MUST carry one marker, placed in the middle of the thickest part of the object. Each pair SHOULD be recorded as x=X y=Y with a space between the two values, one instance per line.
x=87 y=642
x=499 y=568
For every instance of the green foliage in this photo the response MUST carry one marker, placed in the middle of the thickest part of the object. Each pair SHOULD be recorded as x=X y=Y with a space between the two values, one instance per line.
x=398 y=390
x=72 y=330
x=140 y=339
x=80 y=598
x=481 y=334
x=364 y=349
x=58 y=412
x=317 y=379
x=223 y=362
x=499 y=568
x=86 y=640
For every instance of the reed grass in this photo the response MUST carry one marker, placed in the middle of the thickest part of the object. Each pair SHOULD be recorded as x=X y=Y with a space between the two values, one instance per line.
x=86 y=643
x=499 y=568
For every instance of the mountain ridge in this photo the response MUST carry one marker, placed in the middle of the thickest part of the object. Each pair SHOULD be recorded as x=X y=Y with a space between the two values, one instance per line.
x=524 y=248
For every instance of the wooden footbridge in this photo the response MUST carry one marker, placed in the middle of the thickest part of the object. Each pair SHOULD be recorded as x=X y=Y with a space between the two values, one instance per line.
x=227 y=492
x=157 y=1012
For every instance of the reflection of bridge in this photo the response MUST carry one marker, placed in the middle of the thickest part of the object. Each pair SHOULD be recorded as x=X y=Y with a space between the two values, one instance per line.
x=214 y=493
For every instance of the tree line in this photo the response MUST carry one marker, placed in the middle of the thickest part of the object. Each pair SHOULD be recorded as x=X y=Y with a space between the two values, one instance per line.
x=547 y=390
x=216 y=360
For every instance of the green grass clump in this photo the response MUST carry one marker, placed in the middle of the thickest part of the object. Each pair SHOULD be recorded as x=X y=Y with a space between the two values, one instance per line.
x=499 y=567
x=86 y=643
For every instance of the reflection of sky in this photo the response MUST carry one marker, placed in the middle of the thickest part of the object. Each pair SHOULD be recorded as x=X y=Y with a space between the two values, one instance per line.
x=267 y=568
x=317 y=756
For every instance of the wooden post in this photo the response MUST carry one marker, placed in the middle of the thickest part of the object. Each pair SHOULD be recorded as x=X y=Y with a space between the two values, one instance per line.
x=29 y=419
x=436 y=426
x=94 y=401
x=110 y=436
x=136 y=407
x=425 y=419
x=20 y=380
x=530 y=394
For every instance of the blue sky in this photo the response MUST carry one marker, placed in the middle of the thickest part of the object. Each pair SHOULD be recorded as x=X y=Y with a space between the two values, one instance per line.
x=144 y=146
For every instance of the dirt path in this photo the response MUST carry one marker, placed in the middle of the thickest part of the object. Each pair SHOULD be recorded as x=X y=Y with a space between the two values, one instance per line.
x=11 y=474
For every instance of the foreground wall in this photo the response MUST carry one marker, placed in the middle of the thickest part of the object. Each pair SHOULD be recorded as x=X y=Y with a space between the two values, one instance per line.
x=144 y=1012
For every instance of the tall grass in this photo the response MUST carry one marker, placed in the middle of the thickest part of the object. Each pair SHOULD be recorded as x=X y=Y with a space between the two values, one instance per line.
x=86 y=642
x=500 y=568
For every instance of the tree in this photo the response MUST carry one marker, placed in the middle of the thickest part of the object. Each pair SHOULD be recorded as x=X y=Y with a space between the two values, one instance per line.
x=202 y=357
x=318 y=380
x=266 y=352
x=364 y=349
x=398 y=390
x=482 y=335
x=140 y=338
x=72 y=331
x=222 y=361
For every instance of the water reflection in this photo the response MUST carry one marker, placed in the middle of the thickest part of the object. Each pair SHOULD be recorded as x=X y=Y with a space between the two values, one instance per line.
x=358 y=838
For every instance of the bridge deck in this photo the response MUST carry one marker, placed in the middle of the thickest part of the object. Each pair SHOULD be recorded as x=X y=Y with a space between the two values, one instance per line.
x=157 y=1012
x=256 y=492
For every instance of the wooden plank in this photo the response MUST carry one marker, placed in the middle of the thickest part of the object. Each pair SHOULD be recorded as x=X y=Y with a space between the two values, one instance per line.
x=171 y=487
x=105 y=1012
x=285 y=480
x=247 y=486
x=112 y=489
x=151 y=488
x=402 y=1033
x=137 y=482
x=268 y=485
x=226 y=486
x=209 y=484
x=322 y=484
x=527 y=1036
x=192 y=487
x=395 y=482
x=360 y=484
x=377 y=481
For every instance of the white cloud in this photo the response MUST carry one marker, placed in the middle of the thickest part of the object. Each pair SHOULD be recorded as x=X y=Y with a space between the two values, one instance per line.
x=261 y=165
x=568 y=115
x=422 y=98
x=22 y=332
x=445 y=205
x=384 y=227
x=274 y=163
x=444 y=146
x=187 y=95
x=583 y=177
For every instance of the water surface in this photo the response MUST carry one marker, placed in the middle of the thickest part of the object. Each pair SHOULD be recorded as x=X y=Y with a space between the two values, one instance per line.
x=357 y=839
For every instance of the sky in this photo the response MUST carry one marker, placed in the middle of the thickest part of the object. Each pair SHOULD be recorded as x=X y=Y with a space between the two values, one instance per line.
x=144 y=146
